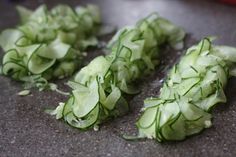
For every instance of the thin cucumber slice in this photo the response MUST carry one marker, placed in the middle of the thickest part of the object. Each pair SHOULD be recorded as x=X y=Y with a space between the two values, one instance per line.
x=99 y=66
x=112 y=98
x=148 y=132
x=86 y=122
x=14 y=70
x=190 y=111
x=55 y=50
x=187 y=85
x=226 y=52
x=12 y=65
x=152 y=102
x=170 y=110
x=8 y=38
x=90 y=98
x=24 y=13
x=207 y=103
x=38 y=65
x=148 y=118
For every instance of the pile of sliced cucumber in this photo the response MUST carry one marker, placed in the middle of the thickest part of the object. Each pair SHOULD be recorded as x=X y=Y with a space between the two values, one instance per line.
x=194 y=86
x=99 y=88
x=48 y=44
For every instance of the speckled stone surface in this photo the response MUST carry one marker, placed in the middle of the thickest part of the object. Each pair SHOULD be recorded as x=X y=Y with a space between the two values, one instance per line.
x=26 y=131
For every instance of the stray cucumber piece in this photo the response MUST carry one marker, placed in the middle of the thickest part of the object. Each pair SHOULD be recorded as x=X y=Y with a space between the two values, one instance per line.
x=24 y=92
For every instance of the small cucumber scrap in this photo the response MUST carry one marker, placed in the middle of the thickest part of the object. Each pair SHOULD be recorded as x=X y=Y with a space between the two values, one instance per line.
x=48 y=43
x=193 y=87
x=98 y=89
